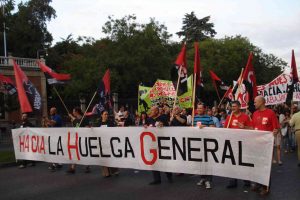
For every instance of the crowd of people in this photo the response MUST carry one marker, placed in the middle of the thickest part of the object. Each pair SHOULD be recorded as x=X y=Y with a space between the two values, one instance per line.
x=283 y=121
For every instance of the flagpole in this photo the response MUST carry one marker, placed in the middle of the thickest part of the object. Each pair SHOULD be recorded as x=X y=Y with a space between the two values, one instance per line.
x=87 y=108
x=216 y=90
x=193 y=99
x=54 y=88
x=224 y=96
x=179 y=74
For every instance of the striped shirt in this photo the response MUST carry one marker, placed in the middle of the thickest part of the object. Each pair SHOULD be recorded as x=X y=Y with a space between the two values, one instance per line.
x=204 y=119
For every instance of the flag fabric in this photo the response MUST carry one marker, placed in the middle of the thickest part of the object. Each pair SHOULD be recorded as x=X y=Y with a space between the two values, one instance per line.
x=198 y=71
x=249 y=80
x=104 y=94
x=295 y=79
x=180 y=69
x=217 y=82
x=228 y=95
x=7 y=85
x=53 y=77
x=29 y=97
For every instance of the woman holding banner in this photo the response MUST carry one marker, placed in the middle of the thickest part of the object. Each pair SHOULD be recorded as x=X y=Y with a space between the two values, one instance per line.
x=106 y=122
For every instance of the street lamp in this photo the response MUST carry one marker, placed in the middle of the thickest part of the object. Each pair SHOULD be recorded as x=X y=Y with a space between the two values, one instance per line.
x=4 y=28
x=41 y=50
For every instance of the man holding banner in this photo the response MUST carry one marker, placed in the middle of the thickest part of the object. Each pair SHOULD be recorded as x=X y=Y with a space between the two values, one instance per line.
x=238 y=120
x=264 y=119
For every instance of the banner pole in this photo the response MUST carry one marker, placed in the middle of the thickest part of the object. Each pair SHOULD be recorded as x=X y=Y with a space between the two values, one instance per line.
x=87 y=108
x=193 y=100
x=54 y=88
x=177 y=85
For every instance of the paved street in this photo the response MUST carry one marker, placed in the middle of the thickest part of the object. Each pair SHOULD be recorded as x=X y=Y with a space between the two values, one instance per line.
x=39 y=183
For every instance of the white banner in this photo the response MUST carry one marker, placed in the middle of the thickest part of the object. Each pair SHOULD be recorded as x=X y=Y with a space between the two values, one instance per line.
x=235 y=153
x=275 y=92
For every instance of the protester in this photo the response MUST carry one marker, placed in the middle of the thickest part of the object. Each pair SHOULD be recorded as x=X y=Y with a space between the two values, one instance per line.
x=127 y=119
x=78 y=121
x=206 y=121
x=215 y=119
x=284 y=119
x=264 y=119
x=295 y=122
x=215 y=112
x=156 y=120
x=25 y=123
x=106 y=122
x=177 y=119
x=277 y=142
x=54 y=121
x=142 y=119
x=238 y=120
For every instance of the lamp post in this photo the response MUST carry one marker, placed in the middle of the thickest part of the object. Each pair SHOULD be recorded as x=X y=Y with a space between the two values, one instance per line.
x=4 y=29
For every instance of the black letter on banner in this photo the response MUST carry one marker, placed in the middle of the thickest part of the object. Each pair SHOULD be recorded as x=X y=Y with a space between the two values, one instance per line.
x=128 y=148
x=49 y=145
x=59 y=146
x=177 y=146
x=112 y=147
x=100 y=146
x=86 y=148
x=160 y=148
x=241 y=158
x=91 y=147
x=190 y=149
x=230 y=156
x=206 y=150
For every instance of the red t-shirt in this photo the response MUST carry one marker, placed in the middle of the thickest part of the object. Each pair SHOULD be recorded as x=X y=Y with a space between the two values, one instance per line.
x=265 y=120
x=242 y=118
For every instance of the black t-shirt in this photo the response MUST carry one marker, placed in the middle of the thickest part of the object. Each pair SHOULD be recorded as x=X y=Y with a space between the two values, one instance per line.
x=128 y=122
x=85 y=122
x=161 y=118
x=175 y=122
x=108 y=123
x=26 y=124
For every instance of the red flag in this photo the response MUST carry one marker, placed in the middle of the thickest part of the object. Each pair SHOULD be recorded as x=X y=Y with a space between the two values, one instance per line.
x=106 y=81
x=213 y=76
x=104 y=93
x=249 y=78
x=180 y=63
x=294 y=72
x=228 y=94
x=53 y=74
x=8 y=85
x=20 y=79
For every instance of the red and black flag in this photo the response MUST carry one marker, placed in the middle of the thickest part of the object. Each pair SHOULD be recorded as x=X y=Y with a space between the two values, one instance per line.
x=180 y=70
x=104 y=94
x=29 y=97
x=7 y=86
x=249 y=80
x=199 y=90
x=53 y=78
x=295 y=80
x=218 y=83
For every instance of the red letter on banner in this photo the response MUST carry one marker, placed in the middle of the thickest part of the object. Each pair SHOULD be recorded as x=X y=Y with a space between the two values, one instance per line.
x=73 y=146
x=152 y=151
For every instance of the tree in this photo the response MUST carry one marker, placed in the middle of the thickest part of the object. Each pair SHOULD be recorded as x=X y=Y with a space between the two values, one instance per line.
x=27 y=29
x=195 y=29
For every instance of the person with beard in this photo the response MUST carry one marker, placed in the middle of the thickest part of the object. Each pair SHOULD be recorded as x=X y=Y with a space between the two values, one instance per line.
x=156 y=120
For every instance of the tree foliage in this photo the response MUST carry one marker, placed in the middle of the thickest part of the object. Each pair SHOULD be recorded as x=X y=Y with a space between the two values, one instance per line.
x=195 y=29
x=27 y=29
